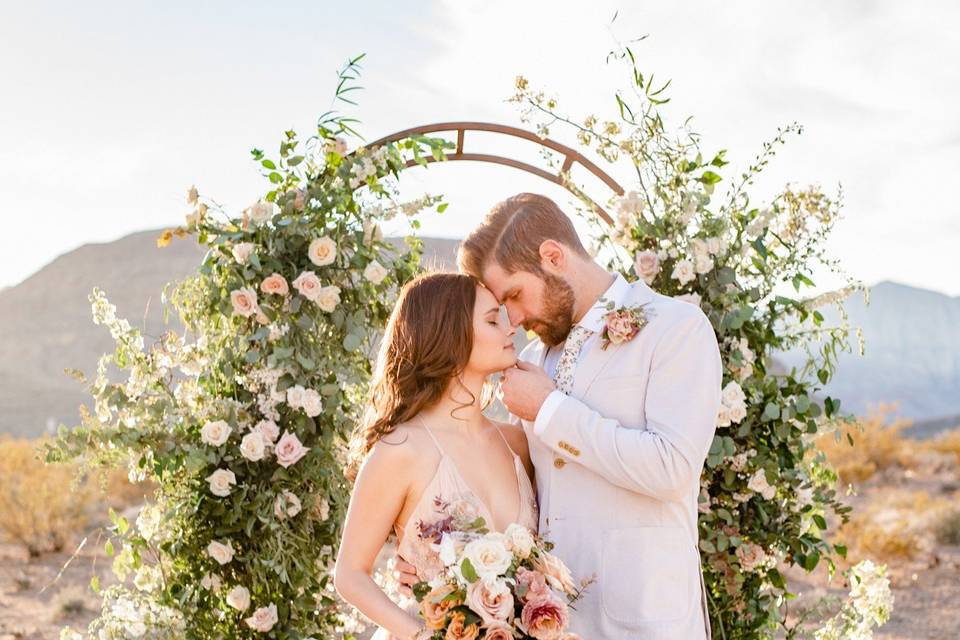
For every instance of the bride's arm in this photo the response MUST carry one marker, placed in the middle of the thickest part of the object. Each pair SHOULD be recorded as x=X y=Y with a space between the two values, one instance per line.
x=378 y=496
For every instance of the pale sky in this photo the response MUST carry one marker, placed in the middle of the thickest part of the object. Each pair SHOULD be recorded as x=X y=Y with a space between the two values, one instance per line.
x=110 y=111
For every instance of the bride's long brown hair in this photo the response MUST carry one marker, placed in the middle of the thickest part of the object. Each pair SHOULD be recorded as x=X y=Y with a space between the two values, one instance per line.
x=426 y=346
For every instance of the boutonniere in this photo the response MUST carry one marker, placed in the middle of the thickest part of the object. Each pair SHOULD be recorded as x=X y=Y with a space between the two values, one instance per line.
x=622 y=324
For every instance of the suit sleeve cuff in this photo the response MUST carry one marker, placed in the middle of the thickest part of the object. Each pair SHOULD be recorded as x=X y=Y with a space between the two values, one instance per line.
x=547 y=409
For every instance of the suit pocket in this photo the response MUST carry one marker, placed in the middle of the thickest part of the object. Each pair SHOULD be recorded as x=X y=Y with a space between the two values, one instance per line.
x=648 y=575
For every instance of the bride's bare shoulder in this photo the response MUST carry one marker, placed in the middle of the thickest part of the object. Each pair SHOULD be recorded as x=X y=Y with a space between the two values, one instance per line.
x=403 y=445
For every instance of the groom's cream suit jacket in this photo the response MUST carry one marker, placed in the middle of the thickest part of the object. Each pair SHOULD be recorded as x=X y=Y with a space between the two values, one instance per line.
x=618 y=465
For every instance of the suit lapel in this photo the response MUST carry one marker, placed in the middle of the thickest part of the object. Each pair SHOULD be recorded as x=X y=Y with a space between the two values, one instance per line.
x=595 y=358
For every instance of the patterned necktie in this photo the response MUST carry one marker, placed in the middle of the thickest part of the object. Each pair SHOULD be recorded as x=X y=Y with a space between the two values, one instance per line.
x=568 y=358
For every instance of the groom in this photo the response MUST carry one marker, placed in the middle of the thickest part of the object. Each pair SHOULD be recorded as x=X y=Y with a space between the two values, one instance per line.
x=618 y=433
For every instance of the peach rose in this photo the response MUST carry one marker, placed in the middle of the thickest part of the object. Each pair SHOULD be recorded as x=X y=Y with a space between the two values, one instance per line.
x=647 y=265
x=498 y=631
x=244 y=301
x=322 y=251
x=555 y=571
x=275 y=283
x=492 y=601
x=435 y=606
x=375 y=272
x=545 y=618
x=307 y=284
x=289 y=450
x=458 y=629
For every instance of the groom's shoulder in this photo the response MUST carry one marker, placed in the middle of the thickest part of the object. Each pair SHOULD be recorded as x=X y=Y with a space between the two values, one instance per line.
x=672 y=314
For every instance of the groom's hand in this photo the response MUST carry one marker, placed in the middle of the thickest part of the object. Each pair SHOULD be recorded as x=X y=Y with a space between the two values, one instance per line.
x=524 y=388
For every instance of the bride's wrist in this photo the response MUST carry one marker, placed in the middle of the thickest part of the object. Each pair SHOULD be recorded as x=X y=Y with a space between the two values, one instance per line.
x=423 y=633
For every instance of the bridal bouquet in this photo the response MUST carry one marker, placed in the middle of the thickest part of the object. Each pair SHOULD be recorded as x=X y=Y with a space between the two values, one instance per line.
x=498 y=586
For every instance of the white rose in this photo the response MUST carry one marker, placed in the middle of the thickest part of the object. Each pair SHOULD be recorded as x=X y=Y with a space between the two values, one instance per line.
x=647 y=265
x=269 y=430
x=220 y=481
x=732 y=394
x=222 y=553
x=489 y=556
x=683 y=271
x=448 y=550
x=263 y=619
x=286 y=505
x=239 y=598
x=242 y=252
x=738 y=413
x=375 y=272
x=215 y=433
x=211 y=582
x=252 y=447
x=520 y=538
x=295 y=396
x=311 y=403
x=260 y=212
x=703 y=263
x=328 y=298
x=758 y=482
x=322 y=251
x=723 y=416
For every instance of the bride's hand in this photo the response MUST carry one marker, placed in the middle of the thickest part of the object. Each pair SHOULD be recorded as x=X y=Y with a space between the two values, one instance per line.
x=407 y=576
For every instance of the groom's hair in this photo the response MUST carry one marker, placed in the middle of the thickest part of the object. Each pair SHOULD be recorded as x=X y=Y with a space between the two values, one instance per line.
x=512 y=232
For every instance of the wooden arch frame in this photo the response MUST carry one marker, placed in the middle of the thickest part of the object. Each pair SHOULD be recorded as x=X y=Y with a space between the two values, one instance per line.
x=571 y=156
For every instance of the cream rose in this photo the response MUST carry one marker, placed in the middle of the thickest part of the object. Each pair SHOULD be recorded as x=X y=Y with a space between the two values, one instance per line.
x=269 y=430
x=492 y=601
x=520 y=539
x=375 y=272
x=260 y=212
x=286 y=505
x=555 y=571
x=263 y=618
x=758 y=482
x=276 y=284
x=242 y=252
x=732 y=394
x=489 y=555
x=289 y=450
x=683 y=271
x=328 y=298
x=239 y=598
x=295 y=396
x=311 y=403
x=647 y=265
x=307 y=284
x=211 y=582
x=220 y=482
x=252 y=447
x=215 y=433
x=222 y=553
x=244 y=301
x=322 y=251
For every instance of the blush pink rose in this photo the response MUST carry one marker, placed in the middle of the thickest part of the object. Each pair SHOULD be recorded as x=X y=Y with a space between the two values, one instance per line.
x=621 y=326
x=308 y=285
x=545 y=618
x=534 y=582
x=289 y=450
x=244 y=302
x=493 y=602
x=647 y=265
x=275 y=283
x=498 y=631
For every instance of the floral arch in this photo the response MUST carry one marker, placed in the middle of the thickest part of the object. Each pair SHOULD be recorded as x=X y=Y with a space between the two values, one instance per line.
x=242 y=422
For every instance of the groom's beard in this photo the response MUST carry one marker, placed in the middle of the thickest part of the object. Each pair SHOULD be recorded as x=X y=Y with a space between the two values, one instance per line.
x=557 y=319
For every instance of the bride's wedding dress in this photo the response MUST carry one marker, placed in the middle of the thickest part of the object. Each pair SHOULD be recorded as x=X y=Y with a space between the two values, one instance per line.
x=449 y=488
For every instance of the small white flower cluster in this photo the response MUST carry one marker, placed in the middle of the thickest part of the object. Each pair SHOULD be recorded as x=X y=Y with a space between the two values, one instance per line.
x=747 y=357
x=733 y=407
x=263 y=383
x=363 y=168
x=869 y=605
x=127 y=614
x=105 y=313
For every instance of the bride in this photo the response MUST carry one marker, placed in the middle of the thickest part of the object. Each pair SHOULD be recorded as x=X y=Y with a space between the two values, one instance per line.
x=425 y=446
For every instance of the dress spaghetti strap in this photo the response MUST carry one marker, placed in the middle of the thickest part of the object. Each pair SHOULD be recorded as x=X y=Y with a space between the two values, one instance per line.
x=432 y=437
x=505 y=441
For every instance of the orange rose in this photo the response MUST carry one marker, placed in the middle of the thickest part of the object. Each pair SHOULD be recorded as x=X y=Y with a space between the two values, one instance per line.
x=458 y=629
x=434 y=607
